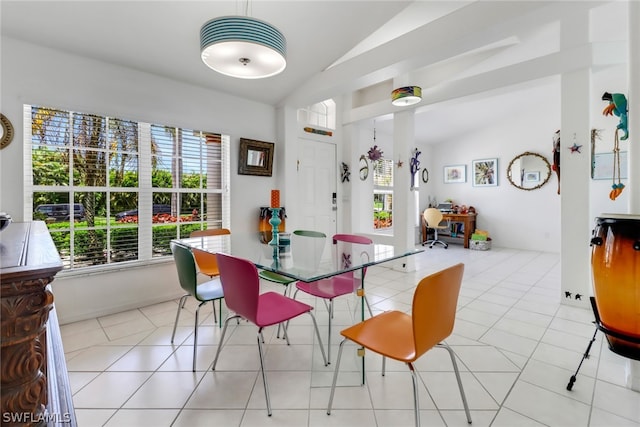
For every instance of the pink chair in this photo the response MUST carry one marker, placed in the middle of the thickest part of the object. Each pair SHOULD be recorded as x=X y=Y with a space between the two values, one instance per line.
x=241 y=285
x=346 y=247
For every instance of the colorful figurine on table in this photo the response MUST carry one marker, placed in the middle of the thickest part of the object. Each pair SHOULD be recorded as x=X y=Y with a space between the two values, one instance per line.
x=618 y=106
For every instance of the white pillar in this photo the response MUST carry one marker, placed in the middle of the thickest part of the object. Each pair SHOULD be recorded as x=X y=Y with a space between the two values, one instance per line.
x=633 y=101
x=404 y=200
x=633 y=183
x=575 y=169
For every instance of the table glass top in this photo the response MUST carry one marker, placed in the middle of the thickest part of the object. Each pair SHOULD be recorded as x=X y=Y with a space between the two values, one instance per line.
x=303 y=259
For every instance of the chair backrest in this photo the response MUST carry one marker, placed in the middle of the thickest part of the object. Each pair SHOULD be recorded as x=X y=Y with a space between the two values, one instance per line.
x=350 y=249
x=432 y=217
x=307 y=247
x=210 y=232
x=435 y=301
x=206 y=261
x=186 y=266
x=240 y=284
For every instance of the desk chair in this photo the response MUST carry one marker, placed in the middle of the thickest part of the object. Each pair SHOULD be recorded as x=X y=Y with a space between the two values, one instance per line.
x=342 y=284
x=432 y=218
x=204 y=292
x=241 y=285
x=405 y=337
x=206 y=261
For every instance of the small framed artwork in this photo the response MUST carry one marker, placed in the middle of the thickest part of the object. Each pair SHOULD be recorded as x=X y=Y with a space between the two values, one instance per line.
x=531 y=176
x=256 y=157
x=485 y=173
x=603 y=167
x=455 y=174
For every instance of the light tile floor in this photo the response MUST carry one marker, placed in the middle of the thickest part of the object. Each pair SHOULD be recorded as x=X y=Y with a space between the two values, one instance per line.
x=516 y=344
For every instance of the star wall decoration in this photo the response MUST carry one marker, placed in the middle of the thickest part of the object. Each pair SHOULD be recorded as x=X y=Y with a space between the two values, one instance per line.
x=575 y=148
x=400 y=163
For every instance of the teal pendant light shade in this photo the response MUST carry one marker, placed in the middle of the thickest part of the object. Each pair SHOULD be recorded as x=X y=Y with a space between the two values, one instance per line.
x=243 y=47
x=407 y=95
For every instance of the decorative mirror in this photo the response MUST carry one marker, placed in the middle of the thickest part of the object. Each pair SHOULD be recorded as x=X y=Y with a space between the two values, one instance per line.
x=529 y=171
x=256 y=157
x=364 y=168
x=425 y=175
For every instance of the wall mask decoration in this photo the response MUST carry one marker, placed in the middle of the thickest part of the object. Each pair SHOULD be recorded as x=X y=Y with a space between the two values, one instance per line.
x=414 y=164
x=344 y=175
x=556 y=156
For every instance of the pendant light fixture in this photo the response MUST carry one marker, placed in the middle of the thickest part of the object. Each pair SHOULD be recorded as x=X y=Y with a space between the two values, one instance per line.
x=243 y=47
x=407 y=95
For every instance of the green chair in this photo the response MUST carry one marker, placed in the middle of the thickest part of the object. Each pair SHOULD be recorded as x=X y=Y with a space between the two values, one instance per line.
x=204 y=292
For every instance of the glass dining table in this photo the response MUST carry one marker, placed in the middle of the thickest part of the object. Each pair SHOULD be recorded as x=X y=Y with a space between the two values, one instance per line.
x=285 y=261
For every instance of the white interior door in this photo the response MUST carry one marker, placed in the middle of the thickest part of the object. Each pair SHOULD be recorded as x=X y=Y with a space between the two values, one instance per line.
x=317 y=183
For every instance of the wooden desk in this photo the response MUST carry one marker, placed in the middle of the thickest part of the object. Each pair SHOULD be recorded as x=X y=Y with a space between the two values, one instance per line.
x=469 y=221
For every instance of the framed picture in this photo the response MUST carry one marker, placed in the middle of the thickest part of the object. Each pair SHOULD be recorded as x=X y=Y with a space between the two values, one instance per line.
x=485 y=173
x=531 y=176
x=454 y=174
x=602 y=166
x=256 y=157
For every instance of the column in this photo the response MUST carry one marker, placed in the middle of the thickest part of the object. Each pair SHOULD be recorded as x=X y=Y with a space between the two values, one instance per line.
x=633 y=183
x=404 y=200
x=575 y=168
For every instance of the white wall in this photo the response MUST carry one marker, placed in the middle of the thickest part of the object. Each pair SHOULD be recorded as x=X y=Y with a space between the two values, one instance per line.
x=514 y=218
x=36 y=75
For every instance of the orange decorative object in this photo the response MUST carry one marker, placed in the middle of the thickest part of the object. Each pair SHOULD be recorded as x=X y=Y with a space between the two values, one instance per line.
x=615 y=262
x=275 y=198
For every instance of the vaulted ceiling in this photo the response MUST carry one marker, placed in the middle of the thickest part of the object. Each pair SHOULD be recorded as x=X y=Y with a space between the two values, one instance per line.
x=468 y=56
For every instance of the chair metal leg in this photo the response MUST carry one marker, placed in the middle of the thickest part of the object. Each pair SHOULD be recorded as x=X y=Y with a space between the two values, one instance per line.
x=315 y=326
x=180 y=307
x=224 y=331
x=264 y=373
x=195 y=336
x=329 y=339
x=215 y=315
x=284 y=335
x=335 y=376
x=384 y=365
x=455 y=368
x=280 y=325
x=416 y=401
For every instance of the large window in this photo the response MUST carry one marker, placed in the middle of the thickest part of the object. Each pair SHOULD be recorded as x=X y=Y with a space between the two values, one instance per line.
x=382 y=193
x=112 y=190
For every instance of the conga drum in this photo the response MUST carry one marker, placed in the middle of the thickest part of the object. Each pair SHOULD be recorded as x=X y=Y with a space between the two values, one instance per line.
x=615 y=263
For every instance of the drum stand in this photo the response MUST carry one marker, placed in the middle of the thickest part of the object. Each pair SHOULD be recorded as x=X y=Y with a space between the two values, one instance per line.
x=629 y=353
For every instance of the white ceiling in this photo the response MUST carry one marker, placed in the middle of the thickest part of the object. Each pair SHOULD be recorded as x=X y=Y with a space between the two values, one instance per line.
x=470 y=57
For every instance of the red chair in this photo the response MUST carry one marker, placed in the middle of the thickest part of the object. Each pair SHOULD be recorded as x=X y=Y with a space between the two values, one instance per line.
x=346 y=248
x=241 y=285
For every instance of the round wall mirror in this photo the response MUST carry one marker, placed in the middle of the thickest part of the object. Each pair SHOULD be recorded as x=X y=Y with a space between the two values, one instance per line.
x=529 y=171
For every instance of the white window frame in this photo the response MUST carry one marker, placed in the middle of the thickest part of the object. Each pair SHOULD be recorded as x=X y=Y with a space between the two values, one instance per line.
x=144 y=190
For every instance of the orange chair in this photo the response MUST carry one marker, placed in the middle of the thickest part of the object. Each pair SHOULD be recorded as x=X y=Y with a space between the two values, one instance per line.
x=206 y=261
x=405 y=337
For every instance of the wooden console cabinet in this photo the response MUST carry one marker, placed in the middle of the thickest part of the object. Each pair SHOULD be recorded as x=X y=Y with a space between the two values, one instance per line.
x=28 y=263
x=469 y=221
